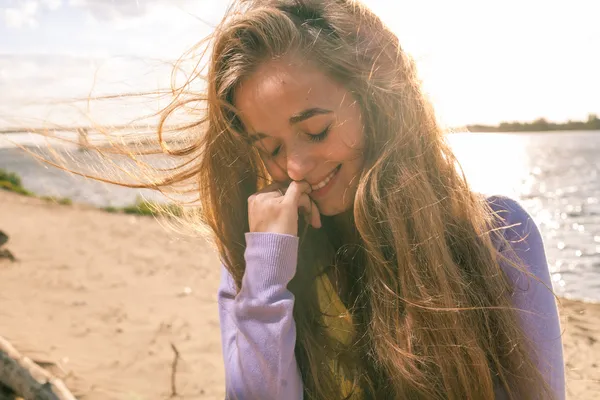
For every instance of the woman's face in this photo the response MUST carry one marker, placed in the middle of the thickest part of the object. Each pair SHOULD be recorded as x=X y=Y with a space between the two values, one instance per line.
x=307 y=127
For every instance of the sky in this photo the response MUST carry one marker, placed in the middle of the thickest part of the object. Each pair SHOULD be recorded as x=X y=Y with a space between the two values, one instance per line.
x=480 y=61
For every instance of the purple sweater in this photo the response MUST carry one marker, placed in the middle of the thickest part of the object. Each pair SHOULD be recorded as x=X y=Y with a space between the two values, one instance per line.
x=258 y=331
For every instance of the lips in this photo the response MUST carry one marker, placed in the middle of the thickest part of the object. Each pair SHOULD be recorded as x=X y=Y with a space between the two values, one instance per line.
x=326 y=180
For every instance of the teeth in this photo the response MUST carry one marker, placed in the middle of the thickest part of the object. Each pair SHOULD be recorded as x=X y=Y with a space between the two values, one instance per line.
x=325 y=181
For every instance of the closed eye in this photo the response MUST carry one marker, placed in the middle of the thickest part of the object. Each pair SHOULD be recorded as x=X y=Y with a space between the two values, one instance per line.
x=276 y=151
x=313 y=138
x=321 y=136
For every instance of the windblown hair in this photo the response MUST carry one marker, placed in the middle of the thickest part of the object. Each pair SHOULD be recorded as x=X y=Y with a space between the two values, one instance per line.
x=430 y=303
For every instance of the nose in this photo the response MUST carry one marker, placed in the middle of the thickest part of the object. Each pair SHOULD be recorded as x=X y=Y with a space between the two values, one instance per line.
x=299 y=162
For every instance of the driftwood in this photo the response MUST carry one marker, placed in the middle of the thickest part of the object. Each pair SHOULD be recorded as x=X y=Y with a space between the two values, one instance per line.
x=5 y=253
x=27 y=379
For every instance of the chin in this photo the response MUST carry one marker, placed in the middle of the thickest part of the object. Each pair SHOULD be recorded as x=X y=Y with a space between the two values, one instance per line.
x=330 y=209
x=327 y=212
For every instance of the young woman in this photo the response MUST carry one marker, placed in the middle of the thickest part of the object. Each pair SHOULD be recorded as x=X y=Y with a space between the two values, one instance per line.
x=397 y=281
x=356 y=261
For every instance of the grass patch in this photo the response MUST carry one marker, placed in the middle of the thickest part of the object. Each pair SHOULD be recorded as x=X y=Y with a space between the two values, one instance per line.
x=10 y=177
x=59 y=200
x=141 y=207
x=11 y=182
x=147 y=208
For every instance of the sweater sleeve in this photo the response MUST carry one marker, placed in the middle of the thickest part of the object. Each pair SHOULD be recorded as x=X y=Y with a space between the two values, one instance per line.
x=539 y=313
x=258 y=332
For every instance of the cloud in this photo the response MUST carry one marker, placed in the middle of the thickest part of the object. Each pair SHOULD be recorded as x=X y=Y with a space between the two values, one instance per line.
x=36 y=88
x=108 y=10
x=52 y=4
x=25 y=13
x=22 y=16
x=158 y=28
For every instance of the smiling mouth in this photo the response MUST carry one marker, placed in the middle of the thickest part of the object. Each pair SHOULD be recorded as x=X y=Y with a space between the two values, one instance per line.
x=325 y=181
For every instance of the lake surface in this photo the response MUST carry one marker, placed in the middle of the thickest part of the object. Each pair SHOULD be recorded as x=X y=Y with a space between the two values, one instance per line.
x=555 y=176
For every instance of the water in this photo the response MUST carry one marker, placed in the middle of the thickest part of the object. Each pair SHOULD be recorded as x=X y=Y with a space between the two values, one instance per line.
x=553 y=175
x=45 y=180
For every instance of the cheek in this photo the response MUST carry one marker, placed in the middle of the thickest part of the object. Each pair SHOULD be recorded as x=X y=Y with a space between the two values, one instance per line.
x=356 y=138
x=351 y=146
x=351 y=136
x=354 y=134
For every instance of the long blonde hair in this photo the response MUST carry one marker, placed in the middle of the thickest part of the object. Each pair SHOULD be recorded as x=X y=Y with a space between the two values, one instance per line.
x=429 y=300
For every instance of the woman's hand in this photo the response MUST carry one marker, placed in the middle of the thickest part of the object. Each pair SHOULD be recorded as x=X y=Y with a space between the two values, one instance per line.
x=275 y=208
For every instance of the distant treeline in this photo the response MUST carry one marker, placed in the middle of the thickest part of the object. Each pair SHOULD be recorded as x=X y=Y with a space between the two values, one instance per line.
x=593 y=123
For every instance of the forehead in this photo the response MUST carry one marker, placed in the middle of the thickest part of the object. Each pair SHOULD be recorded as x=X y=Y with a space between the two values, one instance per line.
x=279 y=89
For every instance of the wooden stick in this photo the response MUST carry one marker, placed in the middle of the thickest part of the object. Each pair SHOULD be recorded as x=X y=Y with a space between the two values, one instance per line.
x=22 y=375
x=174 y=371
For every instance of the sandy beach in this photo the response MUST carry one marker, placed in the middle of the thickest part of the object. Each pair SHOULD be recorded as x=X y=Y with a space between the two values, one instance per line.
x=105 y=296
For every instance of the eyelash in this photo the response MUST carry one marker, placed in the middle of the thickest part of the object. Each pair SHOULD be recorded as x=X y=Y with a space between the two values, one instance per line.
x=321 y=136
x=313 y=138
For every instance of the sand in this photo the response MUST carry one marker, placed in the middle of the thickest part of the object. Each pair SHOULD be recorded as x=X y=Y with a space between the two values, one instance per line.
x=105 y=296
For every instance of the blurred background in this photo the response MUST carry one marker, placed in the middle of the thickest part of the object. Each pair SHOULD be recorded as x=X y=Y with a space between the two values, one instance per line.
x=517 y=80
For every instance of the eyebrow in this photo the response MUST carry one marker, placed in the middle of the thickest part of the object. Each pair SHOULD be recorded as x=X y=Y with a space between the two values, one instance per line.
x=308 y=113
x=294 y=119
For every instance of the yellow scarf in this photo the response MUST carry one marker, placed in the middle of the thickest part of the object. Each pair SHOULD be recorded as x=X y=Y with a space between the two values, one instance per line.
x=338 y=321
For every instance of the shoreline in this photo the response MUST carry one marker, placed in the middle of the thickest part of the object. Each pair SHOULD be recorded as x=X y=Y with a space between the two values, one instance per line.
x=153 y=209
x=147 y=202
x=146 y=208
x=104 y=296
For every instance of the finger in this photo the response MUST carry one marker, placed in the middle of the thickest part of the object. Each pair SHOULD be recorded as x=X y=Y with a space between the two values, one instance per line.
x=304 y=205
x=309 y=208
x=295 y=191
x=315 y=215
x=272 y=187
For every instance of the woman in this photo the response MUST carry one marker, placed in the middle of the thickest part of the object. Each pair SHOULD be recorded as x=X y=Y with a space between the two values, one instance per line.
x=399 y=282
x=356 y=261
